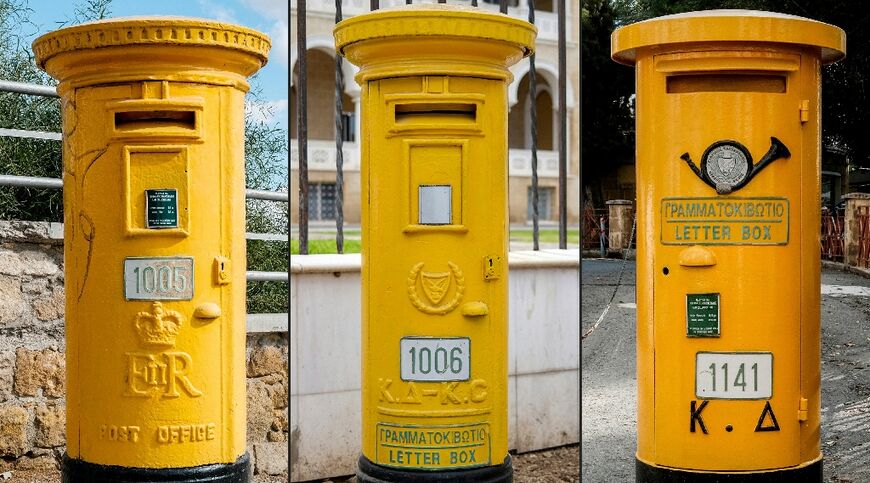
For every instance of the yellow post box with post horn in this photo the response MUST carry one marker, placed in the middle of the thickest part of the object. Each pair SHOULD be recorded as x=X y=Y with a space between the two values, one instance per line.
x=728 y=319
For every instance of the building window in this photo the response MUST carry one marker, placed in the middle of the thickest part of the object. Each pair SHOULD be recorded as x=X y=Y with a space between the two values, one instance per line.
x=347 y=127
x=321 y=201
x=545 y=197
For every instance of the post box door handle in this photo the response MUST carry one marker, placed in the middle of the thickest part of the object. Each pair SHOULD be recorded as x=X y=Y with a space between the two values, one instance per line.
x=208 y=310
x=474 y=309
x=697 y=256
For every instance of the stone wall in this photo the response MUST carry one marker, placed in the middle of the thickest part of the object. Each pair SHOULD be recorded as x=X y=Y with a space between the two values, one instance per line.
x=32 y=373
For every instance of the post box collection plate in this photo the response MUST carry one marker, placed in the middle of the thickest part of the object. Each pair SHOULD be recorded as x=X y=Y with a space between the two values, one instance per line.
x=702 y=315
x=158 y=278
x=734 y=375
x=161 y=208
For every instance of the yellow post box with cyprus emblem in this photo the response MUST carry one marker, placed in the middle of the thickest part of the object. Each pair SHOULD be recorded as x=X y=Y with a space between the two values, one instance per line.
x=434 y=233
x=728 y=170
x=154 y=225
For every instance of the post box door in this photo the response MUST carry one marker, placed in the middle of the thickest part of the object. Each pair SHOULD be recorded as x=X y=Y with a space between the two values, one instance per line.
x=436 y=281
x=150 y=183
x=734 y=253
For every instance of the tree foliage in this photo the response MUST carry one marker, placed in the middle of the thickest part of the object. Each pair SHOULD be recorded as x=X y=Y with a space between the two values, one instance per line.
x=18 y=156
x=266 y=148
x=607 y=125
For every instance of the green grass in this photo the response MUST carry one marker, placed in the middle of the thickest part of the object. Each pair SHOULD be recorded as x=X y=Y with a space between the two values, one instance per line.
x=320 y=247
x=546 y=236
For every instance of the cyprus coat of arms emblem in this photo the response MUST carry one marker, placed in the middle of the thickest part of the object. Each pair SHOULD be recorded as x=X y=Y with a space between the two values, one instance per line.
x=435 y=286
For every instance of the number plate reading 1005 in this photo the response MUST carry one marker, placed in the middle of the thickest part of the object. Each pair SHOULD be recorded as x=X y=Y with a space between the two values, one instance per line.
x=435 y=359
x=169 y=278
x=734 y=375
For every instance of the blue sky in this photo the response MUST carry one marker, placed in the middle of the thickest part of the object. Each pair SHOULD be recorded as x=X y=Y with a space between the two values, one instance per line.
x=268 y=16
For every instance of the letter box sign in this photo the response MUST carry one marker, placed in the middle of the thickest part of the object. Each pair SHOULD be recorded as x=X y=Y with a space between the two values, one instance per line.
x=433 y=167
x=728 y=185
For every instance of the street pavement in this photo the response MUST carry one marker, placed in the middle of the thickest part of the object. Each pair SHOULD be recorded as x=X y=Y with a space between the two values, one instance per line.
x=608 y=375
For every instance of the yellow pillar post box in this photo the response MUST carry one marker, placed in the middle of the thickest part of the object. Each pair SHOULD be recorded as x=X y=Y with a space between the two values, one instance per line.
x=154 y=220
x=434 y=84
x=728 y=347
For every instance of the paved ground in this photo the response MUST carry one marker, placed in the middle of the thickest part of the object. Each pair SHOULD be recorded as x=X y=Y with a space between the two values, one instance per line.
x=608 y=380
x=558 y=465
x=45 y=476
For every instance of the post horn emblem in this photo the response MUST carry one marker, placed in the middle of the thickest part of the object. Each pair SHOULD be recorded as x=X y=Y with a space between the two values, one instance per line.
x=726 y=165
x=435 y=286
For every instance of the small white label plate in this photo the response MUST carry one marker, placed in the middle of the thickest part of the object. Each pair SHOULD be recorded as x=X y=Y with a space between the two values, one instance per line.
x=435 y=359
x=158 y=278
x=734 y=375
x=435 y=205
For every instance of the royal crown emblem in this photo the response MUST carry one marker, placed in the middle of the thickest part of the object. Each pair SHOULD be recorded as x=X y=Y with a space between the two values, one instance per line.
x=436 y=286
x=159 y=327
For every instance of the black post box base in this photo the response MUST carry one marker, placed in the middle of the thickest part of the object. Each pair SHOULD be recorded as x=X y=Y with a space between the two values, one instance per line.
x=78 y=471
x=368 y=472
x=645 y=473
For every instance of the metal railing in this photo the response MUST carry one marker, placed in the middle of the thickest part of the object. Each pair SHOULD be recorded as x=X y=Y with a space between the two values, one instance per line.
x=832 y=237
x=862 y=221
x=594 y=229
x=302 y=124
x=270 y=322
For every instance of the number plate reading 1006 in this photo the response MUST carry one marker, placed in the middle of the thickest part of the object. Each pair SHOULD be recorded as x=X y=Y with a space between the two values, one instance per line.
x=734 y=375
x=435 y=359
x=169 y=278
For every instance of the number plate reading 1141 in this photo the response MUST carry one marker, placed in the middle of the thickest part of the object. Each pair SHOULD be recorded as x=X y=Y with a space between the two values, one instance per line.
x=435 y=359
x=166 y=278
x=734 y=375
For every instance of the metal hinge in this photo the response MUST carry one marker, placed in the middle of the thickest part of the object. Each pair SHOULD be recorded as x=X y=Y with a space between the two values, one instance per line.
x=802 y=409
x=805 y=110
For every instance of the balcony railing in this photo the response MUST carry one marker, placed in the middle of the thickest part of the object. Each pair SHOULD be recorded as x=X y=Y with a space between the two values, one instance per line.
x=321 y=155
x=520 y=163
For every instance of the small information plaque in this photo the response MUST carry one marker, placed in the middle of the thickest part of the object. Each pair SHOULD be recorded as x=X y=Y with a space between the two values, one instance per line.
x=161 y=208
x=702 y=315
